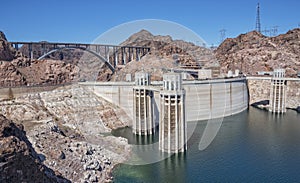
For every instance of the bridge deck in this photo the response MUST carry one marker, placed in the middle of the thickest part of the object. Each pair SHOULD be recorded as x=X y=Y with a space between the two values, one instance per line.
x=75 y=44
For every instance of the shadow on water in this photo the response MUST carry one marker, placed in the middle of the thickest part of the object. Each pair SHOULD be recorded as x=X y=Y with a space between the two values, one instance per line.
x=172 y=169
x=132 y=138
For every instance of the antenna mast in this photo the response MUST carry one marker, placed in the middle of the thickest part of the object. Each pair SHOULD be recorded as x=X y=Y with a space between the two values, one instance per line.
x=258 y=19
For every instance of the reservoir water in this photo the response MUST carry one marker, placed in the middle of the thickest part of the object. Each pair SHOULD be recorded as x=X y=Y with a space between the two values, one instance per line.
x=252 y=146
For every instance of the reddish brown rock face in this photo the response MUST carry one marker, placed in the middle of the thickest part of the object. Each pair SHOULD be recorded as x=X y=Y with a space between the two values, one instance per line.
x=10 y=76
x=6 y=51
x=253 y=52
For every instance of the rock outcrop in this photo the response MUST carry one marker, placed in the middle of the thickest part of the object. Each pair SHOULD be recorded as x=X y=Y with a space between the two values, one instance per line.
x=10 y=76
x=7 y=52
x=19 y=162
x=164 y=46
x=46 y=72
x=253 y=52
x=51 y=72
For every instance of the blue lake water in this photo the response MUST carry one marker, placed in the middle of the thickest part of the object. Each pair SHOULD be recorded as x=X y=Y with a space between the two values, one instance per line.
x=253 y=146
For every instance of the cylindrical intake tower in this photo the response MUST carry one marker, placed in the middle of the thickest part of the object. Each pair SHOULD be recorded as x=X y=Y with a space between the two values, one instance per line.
x=172 y=126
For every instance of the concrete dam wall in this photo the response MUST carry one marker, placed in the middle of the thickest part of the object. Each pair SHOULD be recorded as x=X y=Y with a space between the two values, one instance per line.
x=206 y=99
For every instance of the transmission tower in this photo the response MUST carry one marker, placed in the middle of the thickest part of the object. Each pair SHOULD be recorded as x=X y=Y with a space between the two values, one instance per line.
x=222 y=35
x=266 y=31
x=273 y=31
x=257 y=28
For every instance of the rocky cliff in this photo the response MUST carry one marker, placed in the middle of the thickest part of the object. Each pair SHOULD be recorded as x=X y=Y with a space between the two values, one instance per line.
x=164 y=46
x=253 y=52
x=10 y=75
x=7 y=52
x=19 y=162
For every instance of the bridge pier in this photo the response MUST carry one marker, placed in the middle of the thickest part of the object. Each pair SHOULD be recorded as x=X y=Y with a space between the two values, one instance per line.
x=43 y=49
x=172 y=123
x=278 y=92
x=129 y=55
x=16 y=46
x=98 y=50
x=106 y=53
x=123 y=56
x=137 y=54
x=143 y=105
x=132 y=54
x=115 y=55
x=30 y=52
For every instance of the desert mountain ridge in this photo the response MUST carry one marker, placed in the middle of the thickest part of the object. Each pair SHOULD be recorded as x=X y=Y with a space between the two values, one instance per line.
x=253 y=52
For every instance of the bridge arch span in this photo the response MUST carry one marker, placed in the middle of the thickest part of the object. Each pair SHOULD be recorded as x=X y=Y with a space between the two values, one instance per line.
x=101 y=58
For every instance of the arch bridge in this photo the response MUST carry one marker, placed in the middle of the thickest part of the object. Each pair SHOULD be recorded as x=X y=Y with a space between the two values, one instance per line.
x=111 y=55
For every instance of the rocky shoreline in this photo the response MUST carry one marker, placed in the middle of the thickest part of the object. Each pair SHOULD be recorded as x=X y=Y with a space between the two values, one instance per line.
x=69 y=128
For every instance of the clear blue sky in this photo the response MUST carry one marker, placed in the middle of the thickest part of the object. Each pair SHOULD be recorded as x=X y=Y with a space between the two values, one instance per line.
x=85 y=20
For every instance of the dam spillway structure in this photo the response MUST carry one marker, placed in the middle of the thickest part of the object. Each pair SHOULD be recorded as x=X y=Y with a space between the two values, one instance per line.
x=278 y=92
x=172 y=121
x=143 y=122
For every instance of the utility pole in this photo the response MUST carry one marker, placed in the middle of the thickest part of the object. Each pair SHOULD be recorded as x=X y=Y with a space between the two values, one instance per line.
x=257 y=28
x=222 y=35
